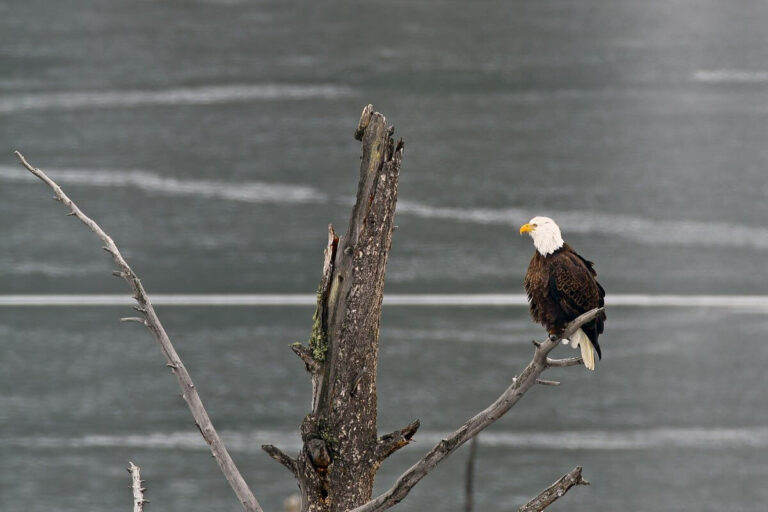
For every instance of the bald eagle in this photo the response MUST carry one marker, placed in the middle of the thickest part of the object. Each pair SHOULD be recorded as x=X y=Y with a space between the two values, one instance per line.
x=562 y=285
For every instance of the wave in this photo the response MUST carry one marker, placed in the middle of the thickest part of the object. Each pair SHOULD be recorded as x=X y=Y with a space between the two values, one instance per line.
x=571 y=439
x=640 y=230
x=250 y=192
x=48 y=269
x=206 y=95
x=730 y=76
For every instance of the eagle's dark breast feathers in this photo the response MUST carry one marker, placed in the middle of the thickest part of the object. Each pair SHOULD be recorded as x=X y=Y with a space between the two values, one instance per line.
x=561 y=287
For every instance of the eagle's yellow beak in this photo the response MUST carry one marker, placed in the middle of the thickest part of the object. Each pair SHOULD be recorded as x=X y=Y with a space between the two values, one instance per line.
x=526 y=228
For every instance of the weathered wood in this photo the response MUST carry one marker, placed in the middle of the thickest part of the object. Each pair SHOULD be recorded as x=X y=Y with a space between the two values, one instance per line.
x=152 y=322
x=554 y=491
x=136 y=487
x=341 y=450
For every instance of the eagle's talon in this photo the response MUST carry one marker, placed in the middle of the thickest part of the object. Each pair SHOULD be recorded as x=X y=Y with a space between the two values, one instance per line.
x=553 y=337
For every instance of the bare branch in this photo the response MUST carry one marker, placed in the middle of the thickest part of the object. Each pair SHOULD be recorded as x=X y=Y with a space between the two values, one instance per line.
x=545 y=382
x=390 y=443
x=138 y=490
x=562 y=363
x=520 y=385
x=281 y=457
x=189 y=392
x=554 y=491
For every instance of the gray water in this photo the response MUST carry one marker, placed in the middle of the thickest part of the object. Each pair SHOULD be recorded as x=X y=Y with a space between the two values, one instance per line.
x=212 y=139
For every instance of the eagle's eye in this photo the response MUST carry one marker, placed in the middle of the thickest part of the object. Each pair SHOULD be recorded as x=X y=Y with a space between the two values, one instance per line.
x=535 y=225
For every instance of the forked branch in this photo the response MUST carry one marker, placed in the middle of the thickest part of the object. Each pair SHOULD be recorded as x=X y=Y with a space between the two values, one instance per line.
x=520 y=385
x=151 y=320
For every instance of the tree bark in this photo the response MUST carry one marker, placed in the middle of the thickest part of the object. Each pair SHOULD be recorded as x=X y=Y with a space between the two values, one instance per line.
x=341 y=450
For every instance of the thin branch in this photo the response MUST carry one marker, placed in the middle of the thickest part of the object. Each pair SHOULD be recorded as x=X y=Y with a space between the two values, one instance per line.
x=189 y=392
x=554 y=491
x=546 y=382
x=390 y=443
x=281 y=457
x=136 y=486
x=520 y=385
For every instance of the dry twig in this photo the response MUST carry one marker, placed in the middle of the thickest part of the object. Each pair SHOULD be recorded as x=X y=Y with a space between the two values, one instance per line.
x=554 y=491
x=151 y=320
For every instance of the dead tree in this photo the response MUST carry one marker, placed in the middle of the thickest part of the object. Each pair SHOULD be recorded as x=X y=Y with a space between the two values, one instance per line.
x=341 y=448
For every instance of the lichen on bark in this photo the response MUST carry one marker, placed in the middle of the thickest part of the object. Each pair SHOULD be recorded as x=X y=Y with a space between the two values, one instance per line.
x=318 y=339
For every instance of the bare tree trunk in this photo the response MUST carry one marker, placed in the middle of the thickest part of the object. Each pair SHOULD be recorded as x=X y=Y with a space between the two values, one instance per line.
x=341 y=450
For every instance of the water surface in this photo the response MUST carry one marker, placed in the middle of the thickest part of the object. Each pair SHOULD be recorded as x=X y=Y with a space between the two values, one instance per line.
x=213 y=140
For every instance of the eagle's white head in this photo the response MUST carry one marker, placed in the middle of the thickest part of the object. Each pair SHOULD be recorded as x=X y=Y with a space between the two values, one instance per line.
x=545 y=233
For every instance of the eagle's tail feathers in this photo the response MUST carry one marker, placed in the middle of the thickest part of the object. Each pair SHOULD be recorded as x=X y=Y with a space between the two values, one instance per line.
x=581 y=340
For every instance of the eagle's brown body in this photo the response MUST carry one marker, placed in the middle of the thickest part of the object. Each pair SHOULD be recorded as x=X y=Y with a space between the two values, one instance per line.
x=562 y=286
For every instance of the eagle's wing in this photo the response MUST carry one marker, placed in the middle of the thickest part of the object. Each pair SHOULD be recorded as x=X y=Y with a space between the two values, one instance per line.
x=591 y=267
x=573 y=286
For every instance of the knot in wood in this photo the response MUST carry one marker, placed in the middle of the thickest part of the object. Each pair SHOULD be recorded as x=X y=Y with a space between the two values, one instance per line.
x=318 y=454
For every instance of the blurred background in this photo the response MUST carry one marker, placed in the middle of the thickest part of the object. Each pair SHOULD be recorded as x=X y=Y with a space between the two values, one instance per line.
x=213 y=140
